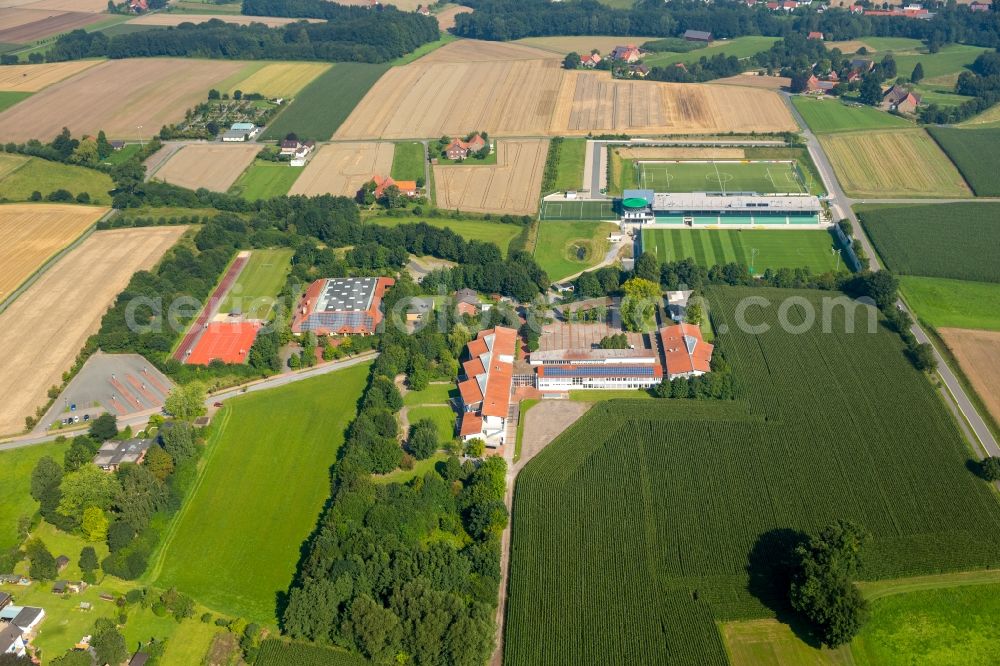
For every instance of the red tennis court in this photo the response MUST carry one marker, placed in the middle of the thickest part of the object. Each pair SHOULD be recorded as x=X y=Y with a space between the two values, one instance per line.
x=228 y=342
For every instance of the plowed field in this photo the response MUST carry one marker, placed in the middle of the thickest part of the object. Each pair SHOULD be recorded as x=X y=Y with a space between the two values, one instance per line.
x=342 y=168
x=978 y=352
x=513 y=185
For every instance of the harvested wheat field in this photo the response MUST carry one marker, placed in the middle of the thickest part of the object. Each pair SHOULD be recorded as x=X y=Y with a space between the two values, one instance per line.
x=62 y=308
x=680 y=153
x=282 y=79
x=472 y=50
x=756 y=81
x=892 y=163
x=593 y=101
x=40 y=24
x=15 y=17
x=978 y=352
x=32 y=78
x=513 y=185
x=146 y=92
x=342 y=168
x=446 y=17
x=238 y=19
x=33 y=233
x=214 y=166
x=580 y=44
x=849 y=46
x=432 y=97
x=92 y=6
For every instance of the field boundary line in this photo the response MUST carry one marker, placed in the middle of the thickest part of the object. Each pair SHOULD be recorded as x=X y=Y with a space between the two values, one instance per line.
x=156 y=569
x=927 y=583
x=51 y=261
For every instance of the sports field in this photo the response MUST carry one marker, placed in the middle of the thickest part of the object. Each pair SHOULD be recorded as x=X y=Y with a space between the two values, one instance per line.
x=917 y=168
x=758 y=249
x=224 y=341
x=565 y=248
x=235 y=544
x=577 y=210
x=831 y=115
x=263 y=180
x=720 y=176
x=258 y=284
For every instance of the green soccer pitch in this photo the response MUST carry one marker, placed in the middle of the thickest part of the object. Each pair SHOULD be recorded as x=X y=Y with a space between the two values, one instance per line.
x=758 y=249
x=729 y=177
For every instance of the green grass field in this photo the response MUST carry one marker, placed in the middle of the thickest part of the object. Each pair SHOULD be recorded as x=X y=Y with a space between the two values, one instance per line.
x=933 y=627
x=974 y=153
x=15 y=497
x=235 y=544
x=263 y=180
x=424 y=49
x=741 y=47
x=482 y=230
x=408 y=161
x=800 y=155
x=772 y=643
x=757 y=248
x=434 y=394
x=565 y=248
x=577 y=210
x=569 y=170
x=720 y=176
x=36 y=174
x=831 y=115
x=259 y=282
x=443 y=417
x=951 y=59
x=123 y=155
x=9 y=98
x=953 y=303
x=325 y=103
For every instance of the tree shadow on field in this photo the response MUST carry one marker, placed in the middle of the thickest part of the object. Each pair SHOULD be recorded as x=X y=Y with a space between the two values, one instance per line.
x=976 y=467
x=770 y=567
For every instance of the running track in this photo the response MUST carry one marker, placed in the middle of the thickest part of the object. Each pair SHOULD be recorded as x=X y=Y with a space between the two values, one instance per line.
x=188 y=343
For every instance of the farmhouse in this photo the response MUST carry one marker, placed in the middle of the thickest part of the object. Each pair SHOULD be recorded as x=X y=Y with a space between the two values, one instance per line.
x=815 y=85
x=574 y=369
x=590 y=61
x=114 y=453
x=898 y=98
x=485 y=391
x=627 y=54
x=24 y=618
x=240 y=132
x=685 y=351
x=382 y=183
x=815 y=35
x=979 y=7
x=459 y=149
x=640 y=71
x=862 y=65
x=698 y=36
x=296 y=150
x=345 y=306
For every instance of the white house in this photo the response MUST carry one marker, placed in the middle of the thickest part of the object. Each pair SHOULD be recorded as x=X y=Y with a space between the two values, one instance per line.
x=240 y=132
x=11 y=641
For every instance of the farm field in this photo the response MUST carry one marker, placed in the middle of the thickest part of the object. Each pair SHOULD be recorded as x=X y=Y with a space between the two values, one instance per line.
x=741 y=47
x=950 y=625
x=757 y=81
x=263 y=180
x=581 y=44
x=213 y=166
x=161 y=19
x=32 y=78
x=974 y=153
x=20 y=176
x=408 y=161
x=773 y=643
x=831 y=115
x=949 y=241
x=953 y=303
x=322 y=106
x=978 y=354
x=498 y=233
x=259 y=283
x=15 y=492
x=593 y=101
x=62 y=308
x=32 y=233
x=280 y=79
x=512 y=186
x=988 y=118
x=919 y=168
x=276 y=652
x=446 y=17
x=60 y=5
x=758 y=249
x=9 y=99
x=569 y=174
x=950 y=60
x=29 y=24
x=268 y=450
x=605 y=545
x=343 y=168
x=566 y=248
x=148 y=93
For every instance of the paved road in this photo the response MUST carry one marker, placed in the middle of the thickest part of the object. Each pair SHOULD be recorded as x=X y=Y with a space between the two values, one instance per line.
x=841 y=203
x=924 y=201
x=139 y=419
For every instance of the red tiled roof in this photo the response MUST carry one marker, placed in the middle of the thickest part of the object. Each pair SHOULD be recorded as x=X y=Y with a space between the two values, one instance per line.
x=472 y=424
x=469 y=389
x=499 y=372
x=681 y=360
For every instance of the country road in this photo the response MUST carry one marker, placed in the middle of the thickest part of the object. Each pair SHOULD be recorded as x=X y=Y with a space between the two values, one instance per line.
x=139 y=419
x=841 y=205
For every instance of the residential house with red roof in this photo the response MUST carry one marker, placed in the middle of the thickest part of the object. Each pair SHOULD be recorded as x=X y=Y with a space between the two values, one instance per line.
x=460 y=149
x=815 y=35
x=486 y=389
x=685 y=351
x=382 y=183
x=591 y=60
x=898 y=98
x=629 y=53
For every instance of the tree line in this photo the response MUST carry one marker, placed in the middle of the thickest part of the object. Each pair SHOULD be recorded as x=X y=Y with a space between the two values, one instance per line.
x=353 y=35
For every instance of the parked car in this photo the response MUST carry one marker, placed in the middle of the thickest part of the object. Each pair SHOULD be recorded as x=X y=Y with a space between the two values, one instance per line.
x=86 y=417
x=217 y=404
